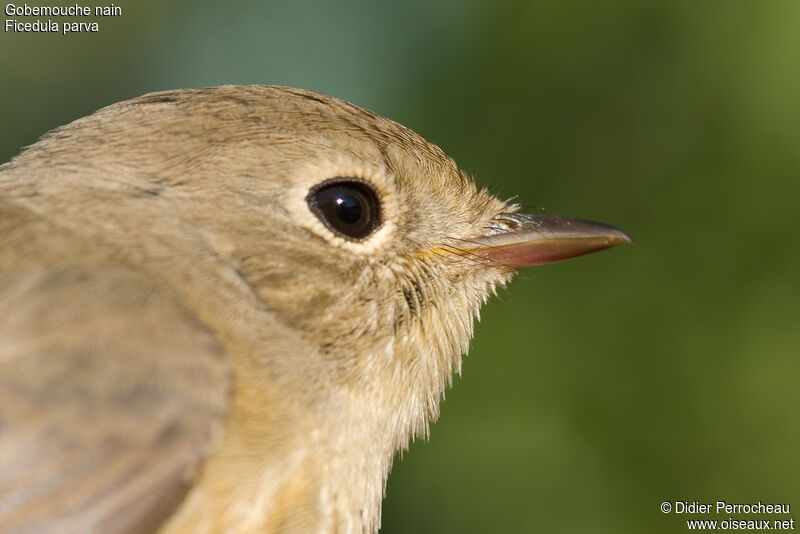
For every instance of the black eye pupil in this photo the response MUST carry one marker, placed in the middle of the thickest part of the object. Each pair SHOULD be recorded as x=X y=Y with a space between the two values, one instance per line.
x=350 y=208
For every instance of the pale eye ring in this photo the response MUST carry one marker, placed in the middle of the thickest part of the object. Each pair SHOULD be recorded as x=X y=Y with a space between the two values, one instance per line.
x=349 y=207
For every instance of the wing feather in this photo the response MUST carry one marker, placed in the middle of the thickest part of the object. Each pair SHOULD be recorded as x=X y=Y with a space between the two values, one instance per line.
x=112 y=393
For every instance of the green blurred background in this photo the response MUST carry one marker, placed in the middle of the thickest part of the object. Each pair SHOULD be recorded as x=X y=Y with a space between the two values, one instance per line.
x=596 y=388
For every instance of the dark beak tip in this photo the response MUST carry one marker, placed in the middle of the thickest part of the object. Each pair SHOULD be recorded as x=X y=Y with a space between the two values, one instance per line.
x=623 y=238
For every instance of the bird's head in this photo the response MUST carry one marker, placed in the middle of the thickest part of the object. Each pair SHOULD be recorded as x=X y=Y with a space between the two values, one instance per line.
x=351 y=230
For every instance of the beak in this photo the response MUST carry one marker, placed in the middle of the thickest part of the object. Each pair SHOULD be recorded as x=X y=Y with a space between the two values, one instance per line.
x=519 y=240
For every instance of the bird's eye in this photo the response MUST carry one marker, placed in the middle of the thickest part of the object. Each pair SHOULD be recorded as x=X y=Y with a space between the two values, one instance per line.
x=349 y=207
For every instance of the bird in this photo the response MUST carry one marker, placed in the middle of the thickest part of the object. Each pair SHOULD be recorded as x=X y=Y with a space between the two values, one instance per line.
x=225 y=309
